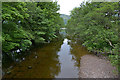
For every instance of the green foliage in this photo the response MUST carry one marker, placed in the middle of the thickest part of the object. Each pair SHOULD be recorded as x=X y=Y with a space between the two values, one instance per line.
x=97 y=26
x=27 y=22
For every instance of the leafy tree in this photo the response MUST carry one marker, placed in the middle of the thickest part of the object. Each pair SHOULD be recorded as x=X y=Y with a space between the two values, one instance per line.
x=28 y=23
x=96 y=25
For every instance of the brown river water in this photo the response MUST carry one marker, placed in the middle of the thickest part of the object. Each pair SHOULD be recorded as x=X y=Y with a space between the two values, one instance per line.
x=60 y=59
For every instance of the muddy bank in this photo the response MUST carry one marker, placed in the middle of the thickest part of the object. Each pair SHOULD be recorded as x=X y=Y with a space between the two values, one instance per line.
x=95 y=67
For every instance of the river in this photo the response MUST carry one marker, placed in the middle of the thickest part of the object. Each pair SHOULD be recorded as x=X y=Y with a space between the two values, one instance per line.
x=60 y=59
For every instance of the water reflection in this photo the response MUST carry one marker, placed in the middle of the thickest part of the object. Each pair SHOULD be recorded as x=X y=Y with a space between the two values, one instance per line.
x=60 y=59
x=77 y=51
x=42 y=63
x=68 y=70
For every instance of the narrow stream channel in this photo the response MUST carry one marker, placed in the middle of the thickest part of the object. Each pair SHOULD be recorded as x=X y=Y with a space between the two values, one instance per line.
x=68 y=70
x=59 y=59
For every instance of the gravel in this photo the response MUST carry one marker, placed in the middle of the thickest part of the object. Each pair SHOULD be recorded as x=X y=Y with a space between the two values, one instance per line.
x=92 y=66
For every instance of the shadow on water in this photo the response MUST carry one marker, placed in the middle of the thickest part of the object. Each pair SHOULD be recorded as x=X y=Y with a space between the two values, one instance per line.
x=42 y=63
x=60 y=59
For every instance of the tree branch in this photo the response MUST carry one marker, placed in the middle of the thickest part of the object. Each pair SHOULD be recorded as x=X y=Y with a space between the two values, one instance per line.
x=110 y=43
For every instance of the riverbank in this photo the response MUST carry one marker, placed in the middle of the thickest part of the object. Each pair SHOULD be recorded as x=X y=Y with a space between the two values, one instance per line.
x=95 y=67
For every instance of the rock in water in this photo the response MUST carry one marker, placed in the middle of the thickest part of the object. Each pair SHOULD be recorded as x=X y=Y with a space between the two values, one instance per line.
x=17 y=60
x=10 y=67
x=29 y=67
x=8 y=72
x=36 y=56
x=23 y=59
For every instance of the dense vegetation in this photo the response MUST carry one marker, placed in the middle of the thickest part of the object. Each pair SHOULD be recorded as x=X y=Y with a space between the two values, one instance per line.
x=28 y=23
x=97 y=26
